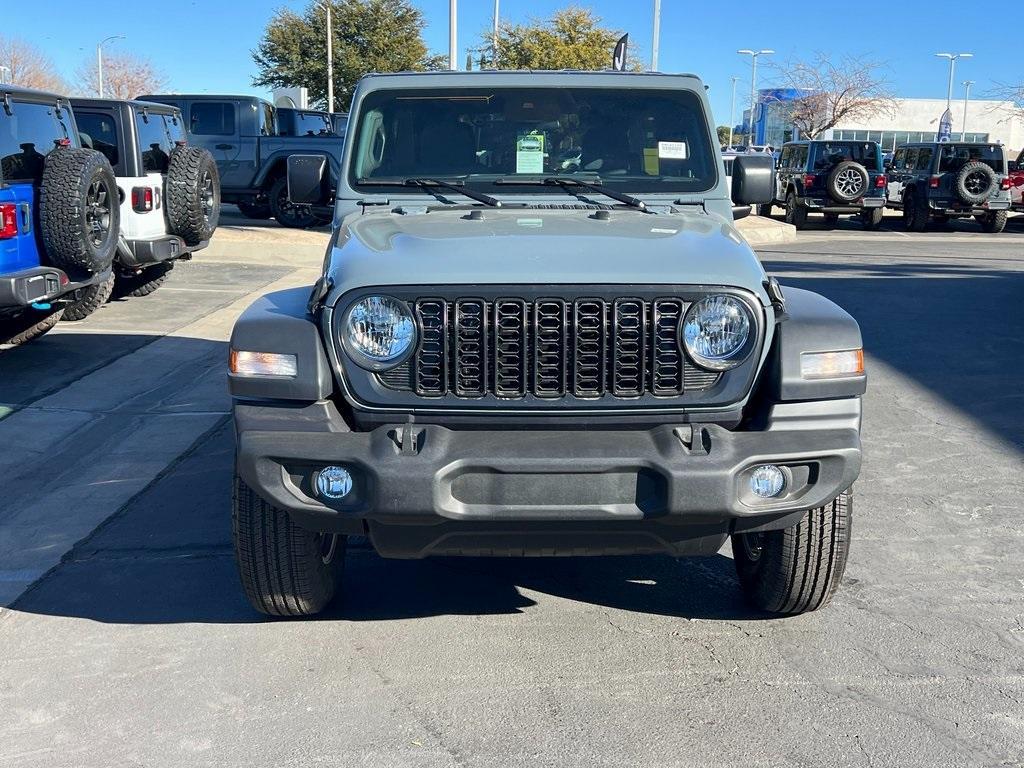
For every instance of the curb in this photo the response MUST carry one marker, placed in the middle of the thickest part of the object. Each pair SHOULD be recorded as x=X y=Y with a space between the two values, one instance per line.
x=758 y=230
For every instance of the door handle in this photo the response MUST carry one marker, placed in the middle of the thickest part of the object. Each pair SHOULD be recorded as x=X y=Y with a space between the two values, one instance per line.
x=225 y=146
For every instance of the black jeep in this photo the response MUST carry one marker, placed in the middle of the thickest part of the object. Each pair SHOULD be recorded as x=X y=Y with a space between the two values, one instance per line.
x=941 y=181
x=832 y=178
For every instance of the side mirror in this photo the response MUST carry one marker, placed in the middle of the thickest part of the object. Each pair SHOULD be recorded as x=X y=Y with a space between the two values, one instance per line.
x=753 y=179
x=308 y=180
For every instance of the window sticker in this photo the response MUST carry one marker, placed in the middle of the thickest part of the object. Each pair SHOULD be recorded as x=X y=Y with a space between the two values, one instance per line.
x=673 y=150
x=530 y=153
x=651 y=165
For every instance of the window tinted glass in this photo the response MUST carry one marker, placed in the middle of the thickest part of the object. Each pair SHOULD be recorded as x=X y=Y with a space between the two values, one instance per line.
x=634 y=139
x=829 y=153
x=98 y=131
x=311 y=124
x=954 y=157
x=911 y=159
x=924 y=159
x=267 y=127
x=175 y=127
x=786 y=158
x=154 y=142
x=898 y=158
x=27 y=137
x=212 y=118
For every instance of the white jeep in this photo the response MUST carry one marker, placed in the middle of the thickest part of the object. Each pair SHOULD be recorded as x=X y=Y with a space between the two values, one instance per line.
x=169 y=191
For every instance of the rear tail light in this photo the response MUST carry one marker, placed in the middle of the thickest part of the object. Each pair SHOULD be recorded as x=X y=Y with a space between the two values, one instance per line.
x=142 y=199
x=881 y=181
x=1005 y=184
x=933 y=182
x=8 y=221
x=809 y=180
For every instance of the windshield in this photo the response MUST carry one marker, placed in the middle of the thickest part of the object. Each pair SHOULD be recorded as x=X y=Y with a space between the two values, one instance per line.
x=641 y=140
x=829 y=153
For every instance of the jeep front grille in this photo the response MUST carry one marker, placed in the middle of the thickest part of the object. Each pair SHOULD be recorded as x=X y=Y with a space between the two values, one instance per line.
x=549 y=348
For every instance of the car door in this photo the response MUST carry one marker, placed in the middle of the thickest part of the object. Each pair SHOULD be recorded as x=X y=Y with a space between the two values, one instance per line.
x=895 y=176
x=217 y=126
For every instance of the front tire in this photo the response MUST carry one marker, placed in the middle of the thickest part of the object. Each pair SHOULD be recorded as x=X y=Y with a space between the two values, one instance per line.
x=799 y=568
x=285 y=570
x=259 y=211
x=915 y=214
x=796 y=214
x=26 y=327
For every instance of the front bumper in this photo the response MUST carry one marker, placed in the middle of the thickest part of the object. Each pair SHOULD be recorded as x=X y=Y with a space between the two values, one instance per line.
x=427 y=489
x=33 y=286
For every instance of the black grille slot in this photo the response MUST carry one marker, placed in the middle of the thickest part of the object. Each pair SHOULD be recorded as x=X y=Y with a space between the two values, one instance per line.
x=470 y=348
x=550 y=330
x=432 y=356
x=510 y=348
x=628 y=347
x=666 y=357
x=549 y=348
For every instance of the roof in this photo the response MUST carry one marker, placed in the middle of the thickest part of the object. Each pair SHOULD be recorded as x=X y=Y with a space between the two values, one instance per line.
x=16 y=90
x=159 y=97
x=90 y=102
x=526 y=78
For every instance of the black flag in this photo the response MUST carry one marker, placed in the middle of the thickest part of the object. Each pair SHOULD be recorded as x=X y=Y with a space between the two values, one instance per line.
x=619 y=55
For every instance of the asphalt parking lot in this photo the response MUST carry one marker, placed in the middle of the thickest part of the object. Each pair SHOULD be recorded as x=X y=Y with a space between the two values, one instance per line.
x=127 y=640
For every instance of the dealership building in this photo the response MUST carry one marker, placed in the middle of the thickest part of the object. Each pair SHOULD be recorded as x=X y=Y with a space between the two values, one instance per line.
x=909 y=120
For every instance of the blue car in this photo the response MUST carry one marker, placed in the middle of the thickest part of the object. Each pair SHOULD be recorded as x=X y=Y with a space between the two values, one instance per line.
x=59 y=216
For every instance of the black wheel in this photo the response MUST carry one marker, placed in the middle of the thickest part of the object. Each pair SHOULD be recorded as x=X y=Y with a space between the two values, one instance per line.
x=285 y=570
x=91 y=299
x=797 y=569
x=915 y=212
x=975 y=183
x=27 y=326
x=193 y=194
x=847 y=182
x=796 y=214
x=143 y=283
x=254 y=210
x=871 y=218
x=993 y=222
x=287 y=213
x=79 y=212
x=765 y=210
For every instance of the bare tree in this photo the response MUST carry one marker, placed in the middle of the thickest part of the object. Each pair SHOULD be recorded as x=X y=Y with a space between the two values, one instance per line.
x=29 y=67
x=834 y=90
x=125 y=76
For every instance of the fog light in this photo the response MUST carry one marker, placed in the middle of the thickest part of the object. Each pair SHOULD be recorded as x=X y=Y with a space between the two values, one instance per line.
x=767 y=481
x=333 y=482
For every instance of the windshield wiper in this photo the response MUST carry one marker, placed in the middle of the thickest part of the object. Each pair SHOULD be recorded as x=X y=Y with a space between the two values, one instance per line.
x=593 y=184
x=426 y=184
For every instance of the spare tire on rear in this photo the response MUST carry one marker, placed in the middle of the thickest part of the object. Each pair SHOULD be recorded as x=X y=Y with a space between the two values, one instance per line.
x=848 y=181
x=193 y=194
x=975 y=183
x=79 y=210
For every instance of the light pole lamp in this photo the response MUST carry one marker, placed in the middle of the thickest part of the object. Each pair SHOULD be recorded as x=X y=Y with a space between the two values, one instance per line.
x=99 y=60
x=326 y=5
x=952 y=66
x=732 y=110
x=753 y=84
x=8 y=70
x=453 y=12
x=967 y=96
x=656 y=38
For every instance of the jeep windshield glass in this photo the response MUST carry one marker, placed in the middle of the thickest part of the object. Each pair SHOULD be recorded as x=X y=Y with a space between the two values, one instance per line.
x=635 y=140
x=829 y=153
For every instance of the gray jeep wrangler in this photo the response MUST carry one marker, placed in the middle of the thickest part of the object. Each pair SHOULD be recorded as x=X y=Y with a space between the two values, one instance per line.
x=537 y=332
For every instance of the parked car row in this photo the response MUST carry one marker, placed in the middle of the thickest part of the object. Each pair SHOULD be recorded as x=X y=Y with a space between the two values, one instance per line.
x=97 y=197
x=930 y=182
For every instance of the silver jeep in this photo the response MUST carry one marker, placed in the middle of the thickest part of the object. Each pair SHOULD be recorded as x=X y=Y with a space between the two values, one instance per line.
x=537 y=332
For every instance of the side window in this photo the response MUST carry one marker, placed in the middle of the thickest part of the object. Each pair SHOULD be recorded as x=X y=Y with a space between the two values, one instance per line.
x=911 y=159
x=924 y=159
x=99 y=131
x=27 y=136
x=154 y=142
x=212 y=118
x=786 y=158
x=898 y=158
x=801 y=156
x=267 y=126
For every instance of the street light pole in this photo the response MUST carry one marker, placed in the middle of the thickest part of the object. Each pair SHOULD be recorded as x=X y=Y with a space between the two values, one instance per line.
x=330 y=58
x=952 y=67
x=8 y=70
x=452 y=37
x=967 y=95
x=494 y=36
x=753 y=85
x=99 y=60
x=657 y=36
x=732 y=110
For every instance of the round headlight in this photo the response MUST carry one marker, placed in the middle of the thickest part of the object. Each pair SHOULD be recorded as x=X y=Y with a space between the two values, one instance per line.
x=716 y=330
x=378 y=332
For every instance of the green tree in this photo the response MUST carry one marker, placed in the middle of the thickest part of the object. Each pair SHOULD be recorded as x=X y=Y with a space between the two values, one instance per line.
x=572 y=38
x=723 y=134
x=369 y=36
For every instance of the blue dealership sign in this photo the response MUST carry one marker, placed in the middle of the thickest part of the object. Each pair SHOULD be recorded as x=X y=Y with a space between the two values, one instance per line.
x=945 y=126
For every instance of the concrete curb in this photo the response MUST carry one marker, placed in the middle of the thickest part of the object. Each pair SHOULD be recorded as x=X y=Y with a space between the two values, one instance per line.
x=758 y=230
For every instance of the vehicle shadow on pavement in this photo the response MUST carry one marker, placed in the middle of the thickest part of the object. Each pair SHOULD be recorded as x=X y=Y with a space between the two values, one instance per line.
x=955 y=330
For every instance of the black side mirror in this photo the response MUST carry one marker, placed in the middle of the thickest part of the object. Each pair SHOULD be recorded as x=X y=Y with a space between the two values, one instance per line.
x=753 y=179
x=307 y=179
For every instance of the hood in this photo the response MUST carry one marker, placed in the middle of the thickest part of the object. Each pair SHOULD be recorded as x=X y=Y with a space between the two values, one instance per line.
x=539 y=246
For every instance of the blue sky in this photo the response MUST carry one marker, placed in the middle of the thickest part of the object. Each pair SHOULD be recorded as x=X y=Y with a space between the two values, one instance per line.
x=204 y=45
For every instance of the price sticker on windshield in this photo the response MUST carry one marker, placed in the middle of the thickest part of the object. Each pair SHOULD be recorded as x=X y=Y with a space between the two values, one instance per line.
x=673 y=150
x=530 y=153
